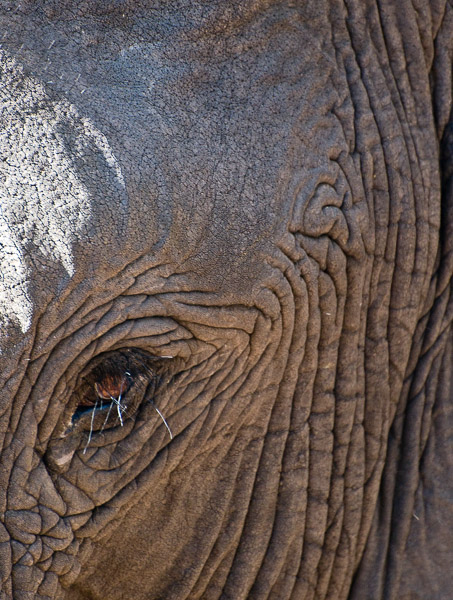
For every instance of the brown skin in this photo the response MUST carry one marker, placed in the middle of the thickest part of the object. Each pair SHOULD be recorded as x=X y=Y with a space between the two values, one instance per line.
x=239 y=214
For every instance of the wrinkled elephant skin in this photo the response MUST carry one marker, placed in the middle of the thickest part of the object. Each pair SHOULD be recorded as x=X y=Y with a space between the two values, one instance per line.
x=225 y=331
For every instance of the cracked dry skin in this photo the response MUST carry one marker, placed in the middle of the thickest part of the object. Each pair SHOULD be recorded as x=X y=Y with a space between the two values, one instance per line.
x=229 y=222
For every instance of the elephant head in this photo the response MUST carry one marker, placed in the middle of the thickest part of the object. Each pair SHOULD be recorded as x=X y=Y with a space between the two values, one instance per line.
x=225 y=332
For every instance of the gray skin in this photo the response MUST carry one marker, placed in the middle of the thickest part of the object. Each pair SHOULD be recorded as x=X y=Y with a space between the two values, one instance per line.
x=239 y=213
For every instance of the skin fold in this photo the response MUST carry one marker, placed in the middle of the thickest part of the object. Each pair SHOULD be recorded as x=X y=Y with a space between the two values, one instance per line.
x=225 y=316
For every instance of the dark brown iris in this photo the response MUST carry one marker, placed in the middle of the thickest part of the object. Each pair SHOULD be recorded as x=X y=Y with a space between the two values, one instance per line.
x=112 y=386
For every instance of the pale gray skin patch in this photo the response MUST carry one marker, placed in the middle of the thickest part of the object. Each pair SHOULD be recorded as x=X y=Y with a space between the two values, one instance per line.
x=41 y=215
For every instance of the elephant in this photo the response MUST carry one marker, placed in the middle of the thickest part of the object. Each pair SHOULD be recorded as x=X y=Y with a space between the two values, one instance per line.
x=226 y=313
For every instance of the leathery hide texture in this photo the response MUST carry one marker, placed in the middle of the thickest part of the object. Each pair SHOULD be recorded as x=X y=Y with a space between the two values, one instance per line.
x=225 y=314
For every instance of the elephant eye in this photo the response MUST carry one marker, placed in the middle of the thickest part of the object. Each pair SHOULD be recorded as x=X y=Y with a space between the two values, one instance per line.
x=112 y=388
